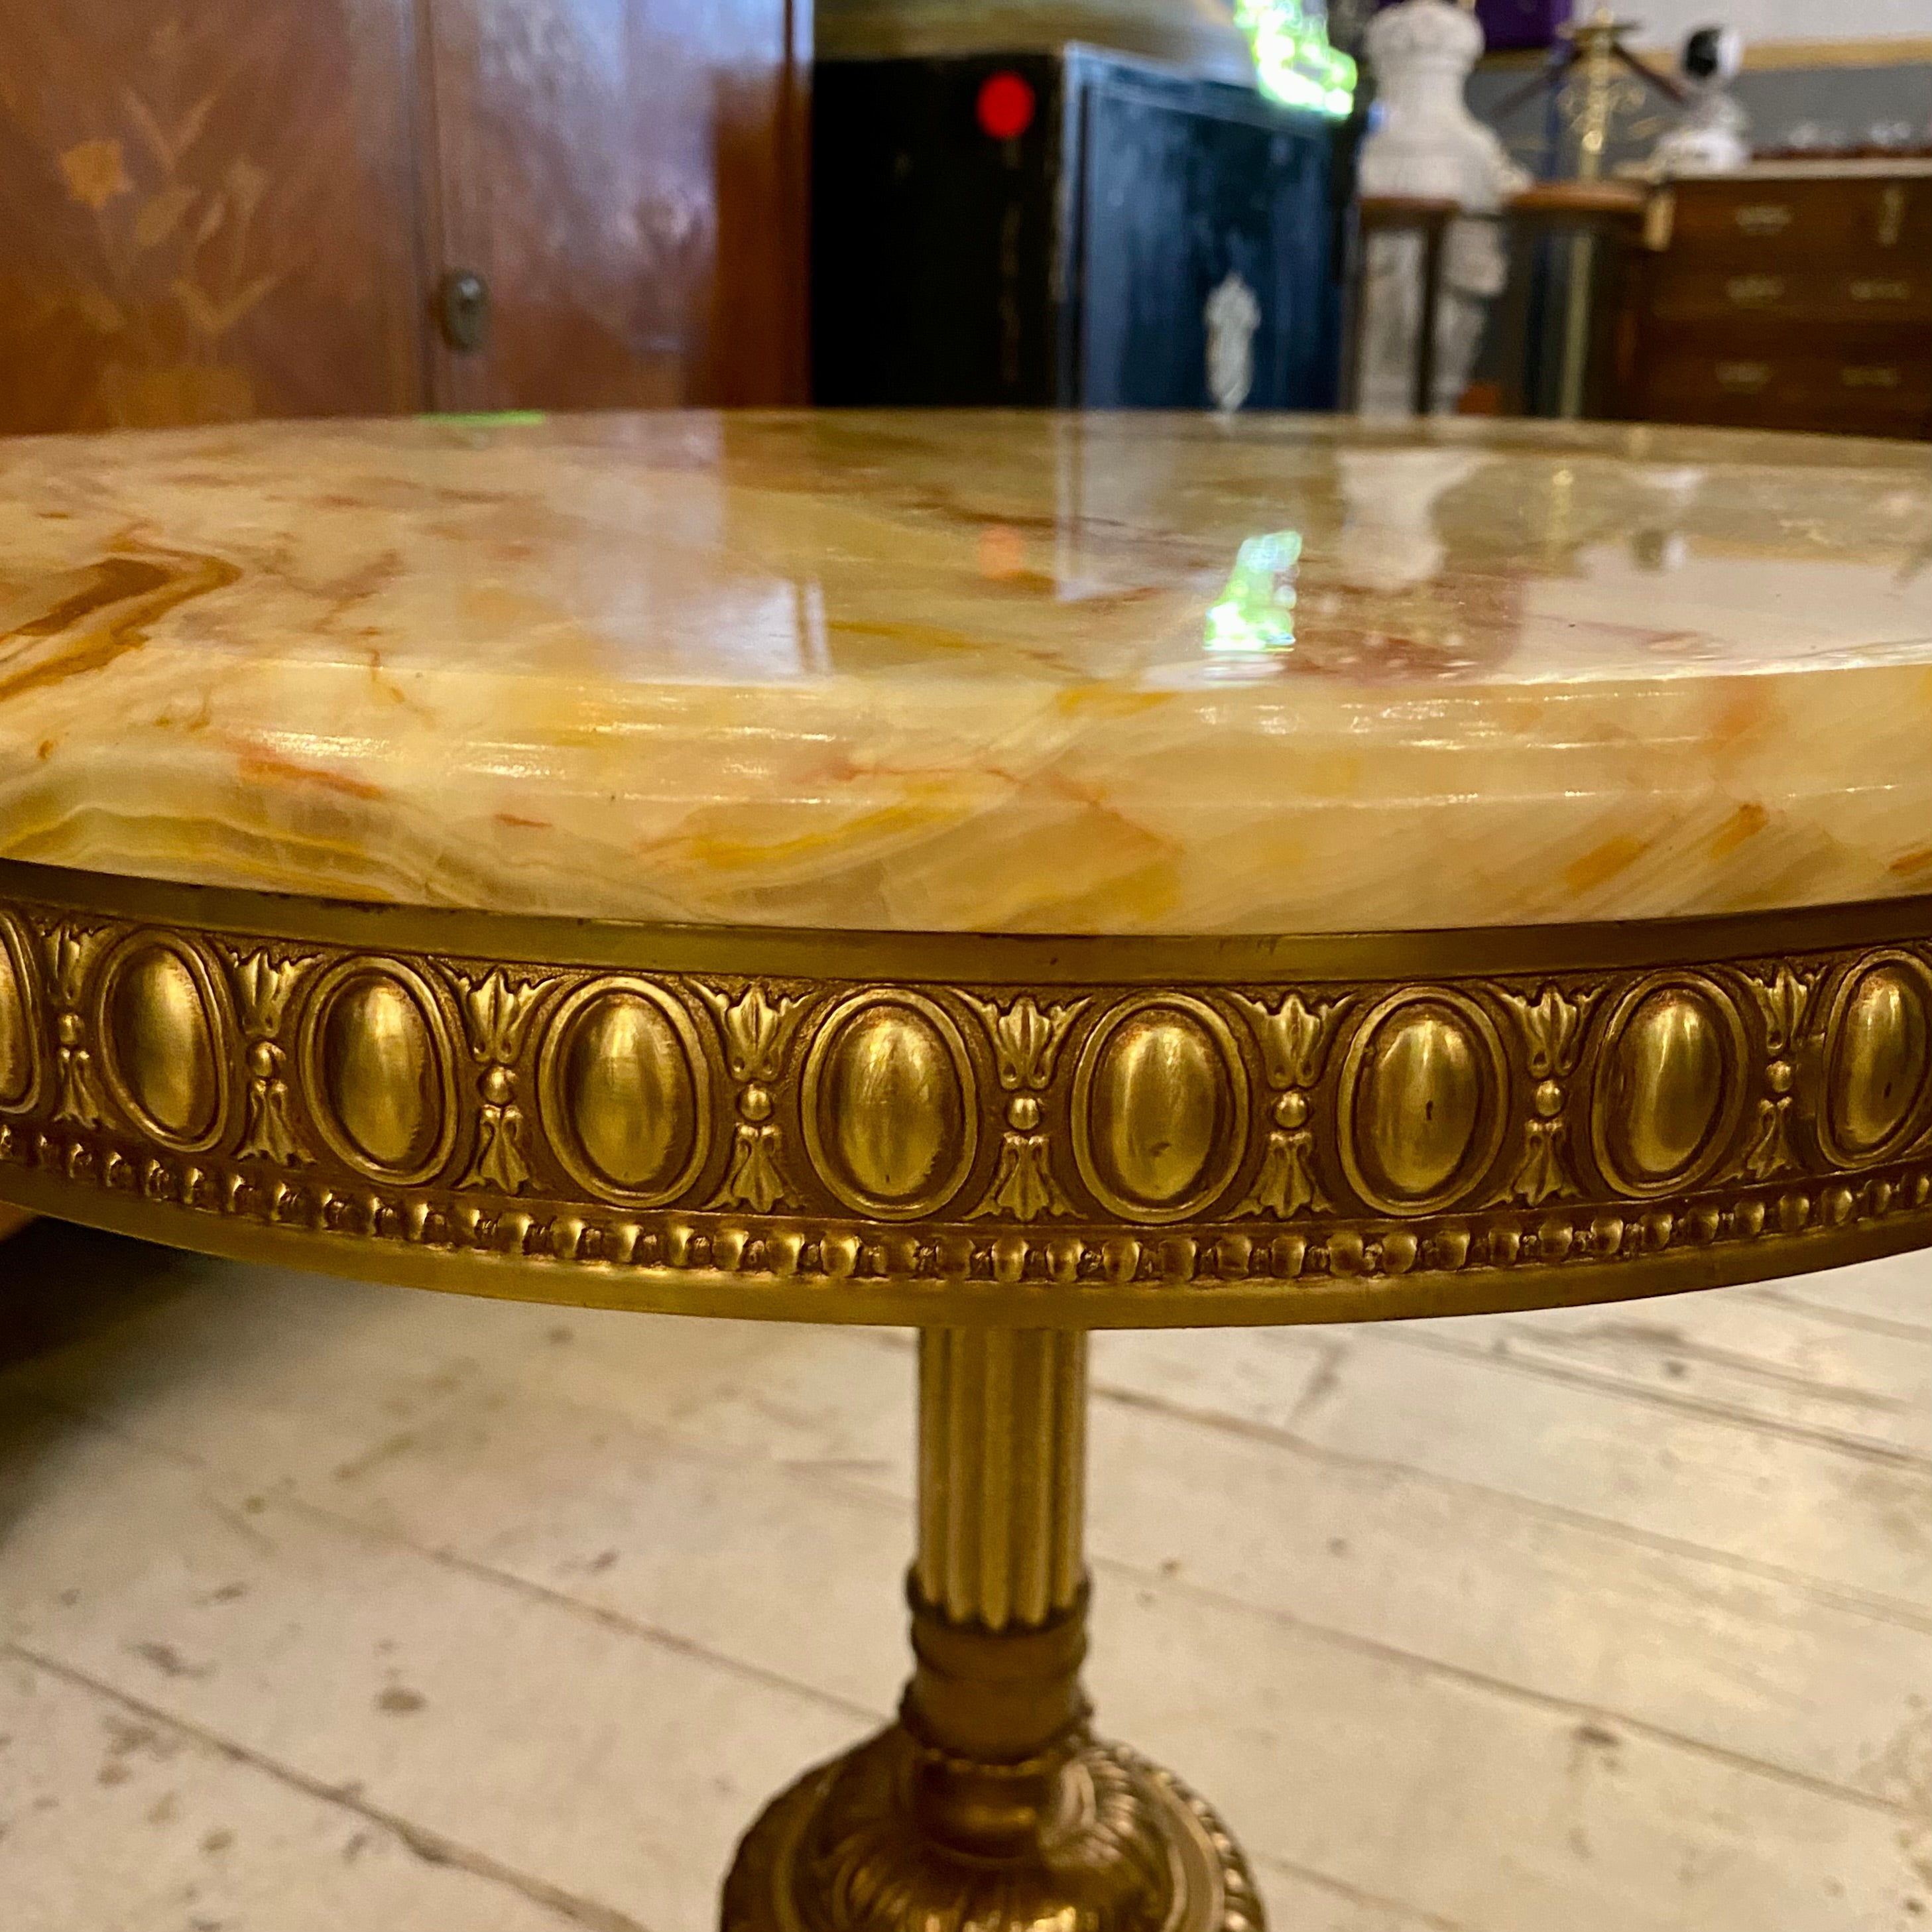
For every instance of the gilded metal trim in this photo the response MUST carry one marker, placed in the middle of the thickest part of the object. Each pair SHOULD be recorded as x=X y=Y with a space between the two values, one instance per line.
x=376 y=1052
x=941 y=1128
x=646 y=1045
x=166 y=1031
x=894 y=1138
x=22 y=1062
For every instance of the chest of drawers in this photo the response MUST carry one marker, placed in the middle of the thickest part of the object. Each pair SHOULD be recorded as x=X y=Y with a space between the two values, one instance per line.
x=1791 y=296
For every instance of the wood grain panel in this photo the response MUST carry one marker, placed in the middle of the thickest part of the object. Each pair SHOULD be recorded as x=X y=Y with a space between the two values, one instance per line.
x=628 y=177
x=209 y=212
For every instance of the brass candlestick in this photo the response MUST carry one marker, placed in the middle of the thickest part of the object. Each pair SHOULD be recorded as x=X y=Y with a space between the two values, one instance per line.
x=1600 y=90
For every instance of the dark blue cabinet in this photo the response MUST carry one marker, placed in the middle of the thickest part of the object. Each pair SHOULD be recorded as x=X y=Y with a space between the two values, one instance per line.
x=1071 y=262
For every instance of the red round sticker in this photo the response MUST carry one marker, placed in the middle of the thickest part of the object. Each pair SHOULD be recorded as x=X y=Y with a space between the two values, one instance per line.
x=1005 y=105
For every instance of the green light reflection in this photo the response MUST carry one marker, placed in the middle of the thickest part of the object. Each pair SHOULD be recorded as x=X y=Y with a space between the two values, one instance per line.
x=1293 y=57
x=1256 y=611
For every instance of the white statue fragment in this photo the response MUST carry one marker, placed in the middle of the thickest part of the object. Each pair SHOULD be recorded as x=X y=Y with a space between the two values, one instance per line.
x=1429 y=145
x=1232 y=314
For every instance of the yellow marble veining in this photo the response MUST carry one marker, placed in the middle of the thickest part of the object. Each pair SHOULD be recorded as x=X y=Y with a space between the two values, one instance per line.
x=975 y=672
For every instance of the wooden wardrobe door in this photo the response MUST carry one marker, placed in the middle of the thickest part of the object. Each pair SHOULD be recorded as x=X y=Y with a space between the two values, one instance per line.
x=627 y=179
x=207 y=211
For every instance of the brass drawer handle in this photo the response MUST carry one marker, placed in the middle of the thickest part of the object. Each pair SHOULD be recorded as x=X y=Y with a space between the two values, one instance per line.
x=1764 y=218
x=1754 y=291
x=1660 y=220
x=1890 y=216
x=1869 y=376
x=1743 y=379
x=1876 y=291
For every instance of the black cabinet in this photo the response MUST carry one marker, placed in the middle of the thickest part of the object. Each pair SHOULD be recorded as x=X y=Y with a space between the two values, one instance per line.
x=1049 y=229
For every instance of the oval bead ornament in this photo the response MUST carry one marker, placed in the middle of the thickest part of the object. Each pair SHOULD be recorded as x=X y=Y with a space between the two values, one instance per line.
x=624 y=1089
x=1666 y=1075
x=1422 y=1091
x=1669 y=1085
x=1159 y=1109
x=381 y=1082
x=164 y=1044
x=18 y=1060
x=1877 y=1059
x=160 y=1025
x=1418 y=1120
x=379 y=1063
x=889 y=1105
x=1156 y=1108
x=889 y=1072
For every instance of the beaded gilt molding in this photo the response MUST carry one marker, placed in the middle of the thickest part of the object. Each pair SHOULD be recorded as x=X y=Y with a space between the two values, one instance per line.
x=569 y=1113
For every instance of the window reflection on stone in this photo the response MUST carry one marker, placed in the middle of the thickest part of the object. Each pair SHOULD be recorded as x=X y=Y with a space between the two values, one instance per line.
x=1255 y=614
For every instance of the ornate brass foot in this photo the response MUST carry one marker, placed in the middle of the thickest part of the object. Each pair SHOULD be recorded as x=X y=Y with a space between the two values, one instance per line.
x=989 y=1806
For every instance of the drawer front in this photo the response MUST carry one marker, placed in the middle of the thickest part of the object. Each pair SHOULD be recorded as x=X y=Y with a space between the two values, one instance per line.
x=1790 y=224
x=1866 y=382
x=1683 y=289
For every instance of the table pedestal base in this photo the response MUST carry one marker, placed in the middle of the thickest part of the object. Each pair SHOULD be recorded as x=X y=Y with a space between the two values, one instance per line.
x=989 y=1806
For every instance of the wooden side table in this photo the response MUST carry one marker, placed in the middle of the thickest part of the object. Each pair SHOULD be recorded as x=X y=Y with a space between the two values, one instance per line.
x=1607 y=219
x=1604 y=217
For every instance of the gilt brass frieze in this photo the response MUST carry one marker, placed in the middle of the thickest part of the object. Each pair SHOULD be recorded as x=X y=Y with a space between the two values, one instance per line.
x=1299 y=1131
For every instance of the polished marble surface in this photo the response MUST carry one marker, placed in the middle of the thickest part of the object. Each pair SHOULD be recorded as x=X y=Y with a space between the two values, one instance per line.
x=1126 y=673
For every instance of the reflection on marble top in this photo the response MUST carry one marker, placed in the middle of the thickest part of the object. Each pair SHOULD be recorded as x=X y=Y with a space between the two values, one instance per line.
x=983 y=672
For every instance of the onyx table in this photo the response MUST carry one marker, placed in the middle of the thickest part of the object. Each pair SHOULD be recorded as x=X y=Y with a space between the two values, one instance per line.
x=1007 y=874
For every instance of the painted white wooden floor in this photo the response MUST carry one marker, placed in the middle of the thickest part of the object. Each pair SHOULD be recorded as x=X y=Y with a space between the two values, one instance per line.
x=328 y=1608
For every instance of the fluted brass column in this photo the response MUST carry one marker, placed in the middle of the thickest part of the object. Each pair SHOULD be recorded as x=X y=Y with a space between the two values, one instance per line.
x=1002 y=1473
x=999 y=1588
x=989 y=1806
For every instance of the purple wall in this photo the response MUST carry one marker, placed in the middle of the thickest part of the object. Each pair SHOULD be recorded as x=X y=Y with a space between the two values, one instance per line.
x=1521 y=23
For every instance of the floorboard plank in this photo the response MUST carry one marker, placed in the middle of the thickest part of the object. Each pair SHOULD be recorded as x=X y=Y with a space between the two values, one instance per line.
x=614 y=1771
x=1727 y=1355
x=114 y=1820
x=1850 y=1519
x=1460 y=1641
x=573 y=1498
x=1898 y=1293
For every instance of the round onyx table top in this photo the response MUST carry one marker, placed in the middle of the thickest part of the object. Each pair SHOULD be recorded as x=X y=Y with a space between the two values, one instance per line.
x=1014 y=869
x=976 y=673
